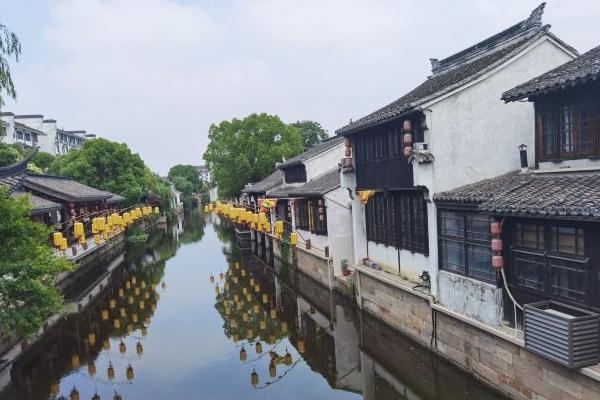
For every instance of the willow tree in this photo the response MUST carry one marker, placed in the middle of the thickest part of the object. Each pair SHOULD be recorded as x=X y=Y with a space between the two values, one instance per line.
x=246 y=150
x=10 y=47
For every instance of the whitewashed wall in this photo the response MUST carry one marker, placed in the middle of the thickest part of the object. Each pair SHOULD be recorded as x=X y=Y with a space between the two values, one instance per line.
x=324 y=162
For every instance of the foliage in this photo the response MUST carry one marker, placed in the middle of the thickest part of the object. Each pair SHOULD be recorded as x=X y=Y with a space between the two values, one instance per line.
x=136 y=235
x=8 y=154
x=312 y=132
x=183 y=185
x=10 y=47
x=111 y=166
x=28 y=270
x=246 y=150
x=189 y=172
x=43 y=160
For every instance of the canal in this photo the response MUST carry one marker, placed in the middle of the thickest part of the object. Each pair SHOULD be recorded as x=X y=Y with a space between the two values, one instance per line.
x=188 y=315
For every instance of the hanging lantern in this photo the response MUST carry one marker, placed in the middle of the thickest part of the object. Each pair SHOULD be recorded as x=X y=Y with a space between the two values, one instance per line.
x=287 y=359
x=245 y=317
x=128 y=285
x=273 y=313
x=117 y=324
x=143 y=284
x=226 y=285
x=122 y=347
x=233 y=323
x=106 y=344
x=74 y=395
x=217 y=289
x=237 y=265
x=139 y=349
x=55 y=389
x=497 y=244
x=254 y=378
x=91 y=368
x=227 y=310
x=256 y=308
x=263 y=324
x=123 y=312
x=251 y=281
x=496 y=228
x=236 y=297
x=75 y=361
x=104 y=315
x=92 y=338
x=142 y=305
x=221 y=276
x=129 y=328
x=212 y=279
x=147 y=295
x=130 y=300
x=121 y=293
x=238 y=305
x=265 y=298
x=243 y=272
x=243 y=354
x=248 y=297
x=133 y=280
x=134 y=318
x=498 y=262
x=300 y=344
x=256 y=288
x=244 y=291
x=284 y=326
x=272 y=339
x=272 y=370
x=112 y=303
x=250 y=333
x=110 y=371
x=258 y=347
x=129 y=372
x=137 y=291
x=144 y=331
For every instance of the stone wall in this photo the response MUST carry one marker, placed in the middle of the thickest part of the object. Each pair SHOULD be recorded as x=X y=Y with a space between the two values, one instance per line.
x=316 y=267
x=498 y=361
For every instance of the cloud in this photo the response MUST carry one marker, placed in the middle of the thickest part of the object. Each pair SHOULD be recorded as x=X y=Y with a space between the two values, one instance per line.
x=156 y=73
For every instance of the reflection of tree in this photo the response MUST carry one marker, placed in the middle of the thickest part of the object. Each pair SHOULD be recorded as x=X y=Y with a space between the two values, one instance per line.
x=193 y=228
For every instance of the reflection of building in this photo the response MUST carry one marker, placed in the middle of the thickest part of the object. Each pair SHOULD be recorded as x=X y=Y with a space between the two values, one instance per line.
x=203 y=173
x=36 y=132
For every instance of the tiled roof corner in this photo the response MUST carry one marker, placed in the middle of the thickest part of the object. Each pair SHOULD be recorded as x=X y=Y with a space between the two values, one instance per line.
x=317 y=149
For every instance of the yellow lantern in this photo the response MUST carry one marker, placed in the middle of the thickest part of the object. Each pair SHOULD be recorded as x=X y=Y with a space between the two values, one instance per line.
x=265 y=298
x=110 y=371
x=137 y=291
x=55 y=389
x=106 y=344
x=263 y=324
x=123 y=312
x=250 y=333
x=284 y=326
x=273 y=313
x=129 y=372
x=227 y=310
x=256 y=308
x=104 y=315
x=139 y=349
x=128 y=285
x=75 y=361
x=258 y=347
x=130 y=300
x=134 y=318
x=64 y=244
x=243 y=354
x=78 y=229
x=300 y=345
x=122 y=347
x=147 y=295
x=206 y=209
x=254 y=378
x=133 y=280
x=243 y=272
x=112 y=303
x=244 y=291
x=91 y=368
x=129 y=328
x=294 y=239
x=272 y=339
x=57 y=238
x=92 y=338
x=248 y=297
x=143 y=284
x=117 y=324
x=156 y=210
x=287 y=359
x=144 y=331
x=245 y=317
x=142 y=305
x=74 y=395
x=272 y=370
x=251 y=281
x=257 y=288
x=121 y=293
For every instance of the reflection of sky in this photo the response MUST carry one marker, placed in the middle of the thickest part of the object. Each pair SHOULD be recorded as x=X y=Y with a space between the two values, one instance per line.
x=187 y=355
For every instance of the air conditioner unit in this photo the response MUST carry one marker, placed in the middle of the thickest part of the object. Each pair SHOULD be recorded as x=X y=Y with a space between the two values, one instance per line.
x=421 y=146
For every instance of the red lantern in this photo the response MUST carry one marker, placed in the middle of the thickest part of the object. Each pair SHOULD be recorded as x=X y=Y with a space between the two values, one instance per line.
x=498 y=262
x=348 y=163
x=408 y=152
x=497 y=245
x=408 y=139
x=407 y=125
x=348 y=152
x=348 y=142
x=496 y=228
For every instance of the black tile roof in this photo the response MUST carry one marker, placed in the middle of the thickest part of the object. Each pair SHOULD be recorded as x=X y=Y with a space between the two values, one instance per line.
x=270 y=182
x=316 y=187
x=62 y=188
x=39 y=205
x=11 y=176
x=317 y=149
x=28 y=128
x=459 y=69
x=528 y=194
x=114 y=198
x=576 y=72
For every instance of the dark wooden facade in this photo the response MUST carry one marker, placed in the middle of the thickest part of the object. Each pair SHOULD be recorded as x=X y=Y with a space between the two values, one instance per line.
x=568 y=124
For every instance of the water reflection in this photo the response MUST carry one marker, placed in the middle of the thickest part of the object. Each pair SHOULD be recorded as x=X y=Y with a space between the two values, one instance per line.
x=230 y=325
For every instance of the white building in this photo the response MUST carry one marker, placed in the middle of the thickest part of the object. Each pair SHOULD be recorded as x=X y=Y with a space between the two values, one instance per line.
x=450 y=131
x=35 y=131
x=203 y=173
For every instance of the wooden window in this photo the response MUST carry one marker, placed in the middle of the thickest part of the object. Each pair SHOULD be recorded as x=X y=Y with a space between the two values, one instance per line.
x=465 y=244
x=295 y=174
x=20 y=135
x=550 y=259
x=311 y=215
x=398 y=219
x=567 y=141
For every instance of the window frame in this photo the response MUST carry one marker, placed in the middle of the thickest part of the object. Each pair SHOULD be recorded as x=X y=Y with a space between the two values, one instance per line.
x=466 y=239
x=295 y=174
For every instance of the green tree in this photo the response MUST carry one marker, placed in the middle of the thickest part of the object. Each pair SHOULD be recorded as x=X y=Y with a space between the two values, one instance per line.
x=111 y=166
x=312 y=132
x=246 y=150
x=189 y=172
x=8 y=154
x=10 y=47
x=43 y=160
x=28 y=269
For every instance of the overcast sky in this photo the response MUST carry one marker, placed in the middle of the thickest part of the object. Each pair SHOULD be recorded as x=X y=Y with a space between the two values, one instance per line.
x=157 y=73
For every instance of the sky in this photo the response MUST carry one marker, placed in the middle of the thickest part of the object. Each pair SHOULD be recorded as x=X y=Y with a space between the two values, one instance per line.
x=156 y=74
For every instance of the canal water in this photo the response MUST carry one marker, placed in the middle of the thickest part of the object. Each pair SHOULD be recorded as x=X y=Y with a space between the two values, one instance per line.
x=188 y=315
